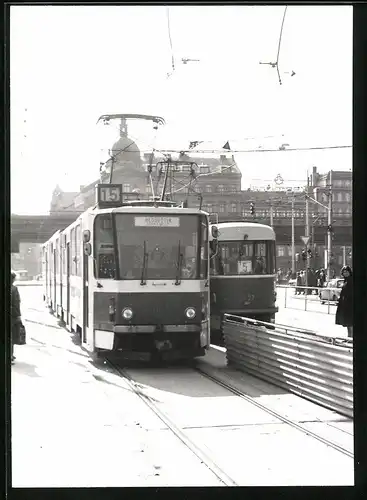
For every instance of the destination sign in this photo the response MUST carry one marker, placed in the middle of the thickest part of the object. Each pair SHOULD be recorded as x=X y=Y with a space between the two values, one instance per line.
x=154 y=221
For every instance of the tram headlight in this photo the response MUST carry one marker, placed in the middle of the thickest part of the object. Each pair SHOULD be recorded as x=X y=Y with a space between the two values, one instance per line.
x=190 y=312
x=127 y=313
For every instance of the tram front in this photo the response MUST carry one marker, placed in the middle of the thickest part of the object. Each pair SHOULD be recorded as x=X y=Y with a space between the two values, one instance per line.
x=152 y=265
x=242 y=280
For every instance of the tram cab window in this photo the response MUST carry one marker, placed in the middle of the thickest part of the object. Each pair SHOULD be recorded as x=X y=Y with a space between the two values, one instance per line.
x=172 y=245
x=104 y=252
x=244 y=258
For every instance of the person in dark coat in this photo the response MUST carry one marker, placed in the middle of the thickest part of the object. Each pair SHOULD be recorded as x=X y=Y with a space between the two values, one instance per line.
x=344 y=312
x=16 y=319
x=298 y=283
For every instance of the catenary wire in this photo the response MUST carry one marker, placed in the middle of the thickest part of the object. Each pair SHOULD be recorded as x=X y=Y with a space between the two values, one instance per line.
x=279 y=44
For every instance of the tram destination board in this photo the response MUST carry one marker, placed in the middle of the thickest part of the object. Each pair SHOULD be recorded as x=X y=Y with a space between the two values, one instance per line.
x=153 y=221
x=109 y=195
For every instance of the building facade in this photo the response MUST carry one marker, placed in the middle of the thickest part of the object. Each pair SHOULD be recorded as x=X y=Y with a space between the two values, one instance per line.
x=28 y=259
x=214 y=183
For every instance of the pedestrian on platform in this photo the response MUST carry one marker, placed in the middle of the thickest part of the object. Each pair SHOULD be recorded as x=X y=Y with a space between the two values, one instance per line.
x=344 y=312
x=298 y=283
x=16 y=320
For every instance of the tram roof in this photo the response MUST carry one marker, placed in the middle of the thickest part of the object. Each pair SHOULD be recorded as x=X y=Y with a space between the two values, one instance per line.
x=237 y=230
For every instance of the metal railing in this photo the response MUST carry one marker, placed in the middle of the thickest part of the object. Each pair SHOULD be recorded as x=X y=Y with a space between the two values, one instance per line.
x=309 y=301
x=317 y=368
x=29 y=283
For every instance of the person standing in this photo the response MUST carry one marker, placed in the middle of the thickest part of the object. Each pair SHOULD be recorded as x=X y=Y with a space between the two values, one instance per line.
x=298 y=283
x=344 y=311
x=16 y=319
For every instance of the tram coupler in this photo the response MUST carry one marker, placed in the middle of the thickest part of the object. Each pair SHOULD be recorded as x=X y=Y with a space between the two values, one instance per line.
x=163 y=345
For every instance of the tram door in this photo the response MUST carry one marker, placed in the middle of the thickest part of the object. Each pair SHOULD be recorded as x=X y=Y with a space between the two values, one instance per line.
x=68 y=283
x=85 y=296
x=54 y=284
x=61 y=255
x=47 y=293
x=50 y=275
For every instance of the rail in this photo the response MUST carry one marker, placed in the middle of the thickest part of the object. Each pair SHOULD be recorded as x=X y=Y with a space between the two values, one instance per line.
x=312 y=300
x=225 y=479
x=318 y=368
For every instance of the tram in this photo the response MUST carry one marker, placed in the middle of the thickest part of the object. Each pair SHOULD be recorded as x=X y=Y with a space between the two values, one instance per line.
x=242 y=273
x=132 y=277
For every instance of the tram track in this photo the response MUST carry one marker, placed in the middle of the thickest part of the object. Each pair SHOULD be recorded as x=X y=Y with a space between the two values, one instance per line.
x=224 y=478
x=201 y=452
x=274 y=413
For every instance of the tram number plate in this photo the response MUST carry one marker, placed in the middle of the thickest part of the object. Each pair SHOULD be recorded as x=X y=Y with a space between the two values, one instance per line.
x=244 y=267
x=157 y=221
x=109 y=193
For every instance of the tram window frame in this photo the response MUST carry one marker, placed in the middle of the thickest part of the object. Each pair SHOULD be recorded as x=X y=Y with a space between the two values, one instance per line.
x=57 y=245
x=218 y=269
x=78 y=267
x=97 y=241
x=64 y=258
x=72 y=251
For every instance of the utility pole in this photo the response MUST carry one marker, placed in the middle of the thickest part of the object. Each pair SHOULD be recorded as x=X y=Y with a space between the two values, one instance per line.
x=293 y=249
x=329 y=227
x=271 y=216
x=329 y=231
x=307 y=231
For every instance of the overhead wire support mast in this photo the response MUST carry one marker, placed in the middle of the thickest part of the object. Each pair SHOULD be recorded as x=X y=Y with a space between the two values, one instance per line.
x=168 y=163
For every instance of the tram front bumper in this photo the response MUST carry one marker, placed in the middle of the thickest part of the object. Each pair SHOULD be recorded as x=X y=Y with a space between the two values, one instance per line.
x=155 y=329
x=162 y=338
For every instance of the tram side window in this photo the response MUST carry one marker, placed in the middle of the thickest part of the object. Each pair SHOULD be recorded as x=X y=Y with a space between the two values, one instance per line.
x=72 y=244
x=57 y=262
x=104 y=251
x=64 y=256
x=77 y=251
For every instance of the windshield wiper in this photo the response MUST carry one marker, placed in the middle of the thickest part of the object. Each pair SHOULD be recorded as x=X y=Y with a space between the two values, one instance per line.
x=179 y=264
x=145 y=267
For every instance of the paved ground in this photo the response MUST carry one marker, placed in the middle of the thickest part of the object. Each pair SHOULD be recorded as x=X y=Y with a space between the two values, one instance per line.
x=75 y=424
x=292 y=312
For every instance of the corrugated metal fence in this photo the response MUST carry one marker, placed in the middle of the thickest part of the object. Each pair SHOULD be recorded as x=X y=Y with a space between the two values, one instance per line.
x=317 y=368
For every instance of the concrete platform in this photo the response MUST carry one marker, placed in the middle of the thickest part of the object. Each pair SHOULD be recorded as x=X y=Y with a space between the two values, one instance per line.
x=77 y=424
x=74 y=428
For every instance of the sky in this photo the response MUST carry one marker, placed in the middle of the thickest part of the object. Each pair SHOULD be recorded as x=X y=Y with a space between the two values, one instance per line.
x=71 y=64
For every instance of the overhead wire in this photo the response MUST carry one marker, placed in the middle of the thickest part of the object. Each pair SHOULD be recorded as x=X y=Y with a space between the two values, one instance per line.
x=165 y=152
x=216 y=151
x=279 y=43
x=170 y=40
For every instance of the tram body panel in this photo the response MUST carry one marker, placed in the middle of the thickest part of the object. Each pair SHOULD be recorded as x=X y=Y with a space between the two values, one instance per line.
x=243 y=295
x=51 y=276
x=58 y=276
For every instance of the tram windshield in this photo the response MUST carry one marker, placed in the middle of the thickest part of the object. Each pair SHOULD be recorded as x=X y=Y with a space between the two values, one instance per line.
x=156 y=246
x=244 y=258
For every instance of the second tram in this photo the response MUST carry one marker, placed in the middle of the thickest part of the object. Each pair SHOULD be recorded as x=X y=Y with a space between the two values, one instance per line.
x=242 y=273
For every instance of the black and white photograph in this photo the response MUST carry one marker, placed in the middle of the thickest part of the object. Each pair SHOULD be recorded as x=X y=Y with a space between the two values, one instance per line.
x=181 y=245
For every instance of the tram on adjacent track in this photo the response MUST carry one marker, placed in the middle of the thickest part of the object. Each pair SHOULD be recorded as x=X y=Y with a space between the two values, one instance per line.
x=132 y=277
x=242 y=273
